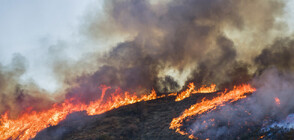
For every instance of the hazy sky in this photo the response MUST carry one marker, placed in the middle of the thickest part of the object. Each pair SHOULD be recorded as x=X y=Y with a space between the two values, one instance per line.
x=24 y=23
x=29 y=28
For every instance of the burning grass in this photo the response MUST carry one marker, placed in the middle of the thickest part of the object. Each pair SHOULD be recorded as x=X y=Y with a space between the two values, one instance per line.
x=161 y=117
x=206 y=105
x=27 y=125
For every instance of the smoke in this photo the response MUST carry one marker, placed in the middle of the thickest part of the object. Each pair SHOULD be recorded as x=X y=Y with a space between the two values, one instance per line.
x=195 y=37
x=278 y=55
x=253 y=112
x=17 y=96
x=204 y=41
x=273 y=79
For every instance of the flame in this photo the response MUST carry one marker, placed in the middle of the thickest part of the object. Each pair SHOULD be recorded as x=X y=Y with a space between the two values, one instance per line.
x=29 y=124
x=277 y=100
x=205 y=105
x=191 y=90
x=173 y=94
x=261 y=137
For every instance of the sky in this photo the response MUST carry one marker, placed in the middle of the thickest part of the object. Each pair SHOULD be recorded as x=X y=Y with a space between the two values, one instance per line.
x=25 y=23
x=30 y=27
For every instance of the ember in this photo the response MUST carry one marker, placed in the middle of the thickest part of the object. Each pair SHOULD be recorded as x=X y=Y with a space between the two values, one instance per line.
x=277 y=100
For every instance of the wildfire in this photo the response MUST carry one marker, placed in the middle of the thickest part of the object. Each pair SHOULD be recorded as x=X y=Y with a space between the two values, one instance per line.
x=207 y=105
x=191 y=90
x=29 y=124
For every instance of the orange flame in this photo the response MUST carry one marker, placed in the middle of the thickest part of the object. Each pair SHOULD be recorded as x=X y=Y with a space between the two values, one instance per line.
x=277 y=100
x=173 y=94
x=206 y=105
x=29 y=124
x=191 y=90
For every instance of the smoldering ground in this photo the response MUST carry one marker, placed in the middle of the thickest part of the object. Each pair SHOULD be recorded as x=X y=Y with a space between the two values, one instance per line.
x=254 y=112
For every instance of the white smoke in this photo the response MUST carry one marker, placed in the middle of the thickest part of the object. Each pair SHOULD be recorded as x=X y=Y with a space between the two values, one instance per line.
x=288 y=124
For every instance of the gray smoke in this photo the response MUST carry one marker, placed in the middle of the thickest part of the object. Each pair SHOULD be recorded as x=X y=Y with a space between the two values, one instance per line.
x=17 y=96
x=188 y=36
x=194 y=38
x=253 y=112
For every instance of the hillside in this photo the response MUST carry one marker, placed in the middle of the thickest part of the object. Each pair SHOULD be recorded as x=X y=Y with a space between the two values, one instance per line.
x=140 y=121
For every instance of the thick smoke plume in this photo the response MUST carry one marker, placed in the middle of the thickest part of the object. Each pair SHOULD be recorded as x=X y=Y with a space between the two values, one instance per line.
x=166 y=44
x=189 y=36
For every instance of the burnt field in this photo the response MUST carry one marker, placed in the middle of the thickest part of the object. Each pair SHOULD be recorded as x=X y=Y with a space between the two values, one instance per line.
x=147 y=120
x=143 y=120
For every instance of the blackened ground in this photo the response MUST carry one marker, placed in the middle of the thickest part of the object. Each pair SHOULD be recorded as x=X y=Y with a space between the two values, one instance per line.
x=144 y=120
x=141 y=121
x=278 y=134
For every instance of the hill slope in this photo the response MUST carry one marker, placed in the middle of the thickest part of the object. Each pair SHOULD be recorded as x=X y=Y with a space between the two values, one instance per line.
x=140 y=121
